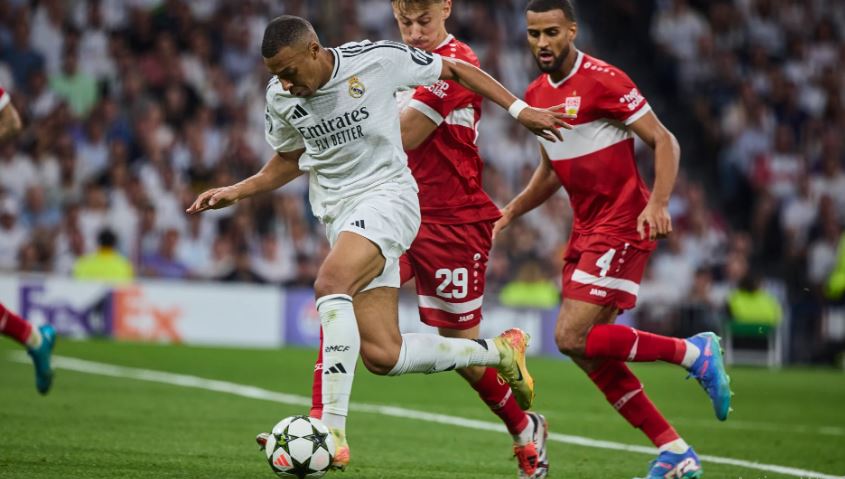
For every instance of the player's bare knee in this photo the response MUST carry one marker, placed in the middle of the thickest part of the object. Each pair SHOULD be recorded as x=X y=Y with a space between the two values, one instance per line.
x=571 y=343
x=378 y=359
x=328 y=283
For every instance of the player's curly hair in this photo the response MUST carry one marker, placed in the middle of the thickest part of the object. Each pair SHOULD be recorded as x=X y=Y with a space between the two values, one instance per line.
x=283 y=31
x=547 y=5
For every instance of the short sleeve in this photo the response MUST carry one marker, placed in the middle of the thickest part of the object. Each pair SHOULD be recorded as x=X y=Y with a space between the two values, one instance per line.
x=4 y=98
x=280 y=135
x=411 y=67
x=622 y=100
x=436 y=101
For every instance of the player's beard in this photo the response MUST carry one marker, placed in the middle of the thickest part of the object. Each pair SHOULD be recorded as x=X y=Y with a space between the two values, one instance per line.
x=556 y=64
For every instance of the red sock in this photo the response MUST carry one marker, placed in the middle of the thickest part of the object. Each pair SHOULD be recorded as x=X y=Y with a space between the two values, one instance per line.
x=317 y=384
x=14 y=326
x=625 y=393
x=622 y=343
x=499 y=398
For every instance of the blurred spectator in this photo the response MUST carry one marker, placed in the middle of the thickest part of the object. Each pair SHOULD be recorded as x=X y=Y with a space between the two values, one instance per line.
x=22 y=58
x=12 y=235
x=530 y=289
x=273 y=263
x=752 y=305
x=105 y=264
x=77 y=88
x=164 y=263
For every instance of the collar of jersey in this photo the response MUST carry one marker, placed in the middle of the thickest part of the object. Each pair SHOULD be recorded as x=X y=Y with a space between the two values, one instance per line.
x=575 y=67
x=445 y=42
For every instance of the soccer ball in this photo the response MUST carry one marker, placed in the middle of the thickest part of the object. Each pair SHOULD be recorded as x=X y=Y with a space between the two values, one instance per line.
x=301 y=447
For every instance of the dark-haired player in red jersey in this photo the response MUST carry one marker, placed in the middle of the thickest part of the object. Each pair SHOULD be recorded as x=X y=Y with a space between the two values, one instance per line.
x=615 y=227
x=448 y=258
x=37 y=341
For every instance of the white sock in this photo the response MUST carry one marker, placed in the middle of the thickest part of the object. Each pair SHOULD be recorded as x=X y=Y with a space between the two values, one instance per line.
x=526 y=435
x=34 y=339
x=692 y=353
x=341 y=346
x=678 y=446
x=430 y=353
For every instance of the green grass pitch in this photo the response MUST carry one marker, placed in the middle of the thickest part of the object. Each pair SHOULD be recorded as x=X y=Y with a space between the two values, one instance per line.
x=94 y=426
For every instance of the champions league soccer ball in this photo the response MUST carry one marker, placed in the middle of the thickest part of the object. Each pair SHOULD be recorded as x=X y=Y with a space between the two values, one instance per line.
x=301 y=447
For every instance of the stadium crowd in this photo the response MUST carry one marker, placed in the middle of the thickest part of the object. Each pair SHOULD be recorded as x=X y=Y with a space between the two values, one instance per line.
x=132 y=107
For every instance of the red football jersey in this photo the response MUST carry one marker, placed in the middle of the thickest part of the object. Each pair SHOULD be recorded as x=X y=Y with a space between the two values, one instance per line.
x=595 y=162
x=4 y=98
x=447 y=165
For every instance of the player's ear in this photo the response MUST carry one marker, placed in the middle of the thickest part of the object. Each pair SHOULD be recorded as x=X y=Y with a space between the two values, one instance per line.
x=447 y=9
x=572 y=31
x=313 y=49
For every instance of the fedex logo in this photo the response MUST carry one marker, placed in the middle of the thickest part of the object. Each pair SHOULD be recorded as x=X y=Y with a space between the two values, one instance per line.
x=137 y=318
x=633 y=98
x=90 y=318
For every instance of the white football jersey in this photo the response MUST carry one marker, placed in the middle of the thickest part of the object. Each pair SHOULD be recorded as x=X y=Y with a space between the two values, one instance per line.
x=350 y=127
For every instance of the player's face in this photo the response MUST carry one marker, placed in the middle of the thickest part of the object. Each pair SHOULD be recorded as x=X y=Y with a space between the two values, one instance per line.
x=297 y=68
x=550 y=36
x=424 y=28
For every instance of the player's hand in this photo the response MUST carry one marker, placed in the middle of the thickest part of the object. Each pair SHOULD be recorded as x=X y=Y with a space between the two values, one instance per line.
x=214 y=199
x=658 y=220
x=502 y=222
x=544 y=122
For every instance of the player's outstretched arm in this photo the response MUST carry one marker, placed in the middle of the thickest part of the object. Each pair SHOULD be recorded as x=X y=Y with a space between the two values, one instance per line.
x=416 y=127
x=667 y=156
x=280 y=170
x=542 y=122
x=10 y=122
x=544 y=183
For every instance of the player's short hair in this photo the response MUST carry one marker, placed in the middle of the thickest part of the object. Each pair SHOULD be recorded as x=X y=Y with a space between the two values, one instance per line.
x=548 y=5
x=413 y=5
x=284 y=31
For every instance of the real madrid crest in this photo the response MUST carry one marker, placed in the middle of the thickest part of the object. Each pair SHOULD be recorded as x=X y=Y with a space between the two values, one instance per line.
x=356 y=88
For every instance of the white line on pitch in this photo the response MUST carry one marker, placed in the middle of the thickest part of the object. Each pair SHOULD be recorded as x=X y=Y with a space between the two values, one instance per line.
x=103 y=369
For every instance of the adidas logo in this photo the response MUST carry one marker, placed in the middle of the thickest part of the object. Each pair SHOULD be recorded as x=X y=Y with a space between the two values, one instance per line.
x=359 y=224
x=336 y=369
x=299 y=112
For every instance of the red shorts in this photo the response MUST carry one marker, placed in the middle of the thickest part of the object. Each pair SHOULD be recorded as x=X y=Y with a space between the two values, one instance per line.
x=449 y=263
x=603 y=270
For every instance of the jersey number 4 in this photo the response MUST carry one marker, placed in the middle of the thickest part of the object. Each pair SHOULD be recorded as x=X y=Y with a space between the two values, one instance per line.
x=604 y=262
x=458 y=278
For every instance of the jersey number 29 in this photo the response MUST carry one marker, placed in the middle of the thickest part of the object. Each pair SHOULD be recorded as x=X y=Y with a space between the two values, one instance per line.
x=458 y=278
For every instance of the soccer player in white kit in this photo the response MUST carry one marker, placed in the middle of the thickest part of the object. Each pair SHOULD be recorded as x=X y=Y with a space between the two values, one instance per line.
x=331 y=112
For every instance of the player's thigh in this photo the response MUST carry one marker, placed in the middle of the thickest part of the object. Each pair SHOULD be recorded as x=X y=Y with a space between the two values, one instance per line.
x=449 y=263
x=388 y=217
x=378 y=325
x=353 y=262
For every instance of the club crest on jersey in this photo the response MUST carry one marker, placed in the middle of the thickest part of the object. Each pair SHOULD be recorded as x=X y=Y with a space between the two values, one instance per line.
x=571 y=105
x=356 y=88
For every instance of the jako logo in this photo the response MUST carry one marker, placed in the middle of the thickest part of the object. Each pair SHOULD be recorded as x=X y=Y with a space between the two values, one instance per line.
x=336 y=349
x=598 y=292
x=633 y=98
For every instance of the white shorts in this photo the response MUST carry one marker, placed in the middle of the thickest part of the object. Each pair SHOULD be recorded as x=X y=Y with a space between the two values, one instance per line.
x=389 y=216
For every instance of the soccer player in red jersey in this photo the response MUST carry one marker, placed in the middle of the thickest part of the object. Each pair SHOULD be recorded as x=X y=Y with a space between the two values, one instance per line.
x=448 y=258
x=37 y=341
x=616 y=223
